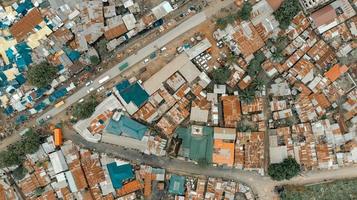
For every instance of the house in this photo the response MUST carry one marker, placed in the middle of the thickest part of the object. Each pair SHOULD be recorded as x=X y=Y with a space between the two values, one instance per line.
x=331 y=15
x=231 y=110
x=131 y=95
x=223 y=149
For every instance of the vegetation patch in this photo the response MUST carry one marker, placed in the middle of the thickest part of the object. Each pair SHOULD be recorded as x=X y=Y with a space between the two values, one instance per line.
x=286 y=12
x=284 y=170
x=41 y=75
x=85 y=109
x=221 y=75
x=342 y=189
x=16 y=153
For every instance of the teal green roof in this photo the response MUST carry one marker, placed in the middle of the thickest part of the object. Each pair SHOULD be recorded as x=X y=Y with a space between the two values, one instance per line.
x=132 y=93
x=196 y=147
x=177 y=185
x=127 y=127
x=119 y=174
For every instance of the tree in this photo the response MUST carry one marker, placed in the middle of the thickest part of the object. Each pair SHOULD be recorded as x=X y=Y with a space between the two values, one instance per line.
x=41 y=75
x=15 y=154
x=85 y=109
x=221 y=75
x=221 y=23
x=247 y=95
x=231 y=58
x=286 y=12
x=254 y=66
x=244 y=13
x=258 y=84
x=19 y=173
x=31 y=142
x=94 y=60
x=284 y=170
x=101 y=47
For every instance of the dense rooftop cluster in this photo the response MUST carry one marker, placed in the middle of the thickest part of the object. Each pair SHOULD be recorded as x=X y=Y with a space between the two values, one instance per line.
x=63 y=33
x=70 y=172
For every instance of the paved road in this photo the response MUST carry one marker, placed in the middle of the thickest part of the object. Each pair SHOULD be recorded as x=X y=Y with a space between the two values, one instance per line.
x=262 y=186
x=144 y=52
x=131 y=60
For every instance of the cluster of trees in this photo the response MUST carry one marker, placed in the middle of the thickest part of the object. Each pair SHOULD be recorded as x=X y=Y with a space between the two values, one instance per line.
x=221 y=75
x=254 y=66
x=284 y=170
x=86 y=108
x=94 y=60
x=243 y=14
x=248 y=94
x=279 y=45
x=41 y=75
x=16 y=153
x=286 y=12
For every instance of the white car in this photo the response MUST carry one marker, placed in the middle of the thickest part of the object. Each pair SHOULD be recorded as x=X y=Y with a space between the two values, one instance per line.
x=100 y=89
x=90 y=90
x=81 y=100
x=88 y=83
x=146 y=60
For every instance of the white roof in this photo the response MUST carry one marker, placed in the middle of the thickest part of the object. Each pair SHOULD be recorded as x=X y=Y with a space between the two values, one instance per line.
x=162 y=9
x=71 y=182
x=155 y=81
x=198 y=115
x=198 y=48
x=129 y=21
x=278 y=154
x=58 y=162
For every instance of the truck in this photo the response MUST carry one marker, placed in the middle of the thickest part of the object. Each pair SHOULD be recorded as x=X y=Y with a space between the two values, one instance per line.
x=59 y=104
x=104 y=79
x=58 y=137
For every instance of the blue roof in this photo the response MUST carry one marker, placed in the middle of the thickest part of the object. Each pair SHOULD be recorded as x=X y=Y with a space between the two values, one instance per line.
x=132 y=93
x=177 y=185
x=127 y=127
x=58 y=94
x=20 y=79
x=24 y=7
x=9 y=110
x=120 y=174
x=73 y=55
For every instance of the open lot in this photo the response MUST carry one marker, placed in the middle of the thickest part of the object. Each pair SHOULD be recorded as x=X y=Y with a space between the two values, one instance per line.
x=342 y=189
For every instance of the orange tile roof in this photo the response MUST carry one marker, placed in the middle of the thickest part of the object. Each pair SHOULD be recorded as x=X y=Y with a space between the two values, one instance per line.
x=129 y=188
x=231 y=110
x=255 y=106
x=223 y=152
x=115 y=32
x=145 y=112
x=248 y=39
x=26 y=24
x=323 y=16
x=336 y=71
x=147 y=184
x=275 y=4
x=321 y=100
x=49 y=195
x=92 y=169
x=79 y=178
x=322 y=53
x=250 y=150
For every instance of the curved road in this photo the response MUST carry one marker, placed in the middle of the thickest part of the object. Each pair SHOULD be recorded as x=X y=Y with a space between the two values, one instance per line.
x=262 y=186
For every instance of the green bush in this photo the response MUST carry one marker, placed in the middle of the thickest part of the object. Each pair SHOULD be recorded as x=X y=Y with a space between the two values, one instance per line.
x=244 y=13
x=286 y=12
x=15 y=154
x=221 y=75
x=254 y=66
x=41 y=75
x=284 y=170
x=19 y=173
x=94 y=60
x=85 y=109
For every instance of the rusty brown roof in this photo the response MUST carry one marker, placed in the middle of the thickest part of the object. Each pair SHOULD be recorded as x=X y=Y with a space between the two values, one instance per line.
x=26 y=25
